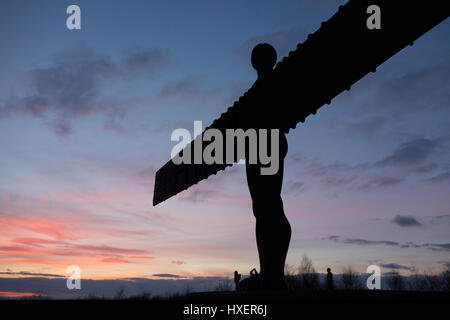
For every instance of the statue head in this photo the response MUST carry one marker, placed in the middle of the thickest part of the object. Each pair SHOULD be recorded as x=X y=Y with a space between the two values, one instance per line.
x=264 y=57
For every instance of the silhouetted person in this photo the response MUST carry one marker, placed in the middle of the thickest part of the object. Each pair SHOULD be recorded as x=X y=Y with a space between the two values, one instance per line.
x=330 y=284
x=273 y=231
x=237 y=278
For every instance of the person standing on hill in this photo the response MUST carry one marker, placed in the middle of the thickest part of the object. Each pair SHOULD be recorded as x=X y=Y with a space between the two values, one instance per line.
x=329 y=279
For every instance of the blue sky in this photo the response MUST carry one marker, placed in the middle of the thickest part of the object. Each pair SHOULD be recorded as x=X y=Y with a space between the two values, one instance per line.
x=86 y=118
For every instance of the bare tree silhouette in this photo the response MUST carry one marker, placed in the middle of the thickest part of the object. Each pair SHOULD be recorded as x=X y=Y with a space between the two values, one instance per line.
x=446 y=279
x=308 y=277
x=396 y=281
x=290 y=276
x=224 y=285
x=351 y=279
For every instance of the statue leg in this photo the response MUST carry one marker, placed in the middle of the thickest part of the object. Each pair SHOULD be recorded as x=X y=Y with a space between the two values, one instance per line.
x=273 y=231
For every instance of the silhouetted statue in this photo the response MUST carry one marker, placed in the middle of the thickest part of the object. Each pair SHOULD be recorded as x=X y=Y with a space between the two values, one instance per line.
x=330 y=284
x=331 y=60
x=237 y=278
x=273 y=231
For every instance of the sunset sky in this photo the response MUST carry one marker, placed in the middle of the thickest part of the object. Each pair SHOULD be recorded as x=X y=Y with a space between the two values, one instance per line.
x=86 y=117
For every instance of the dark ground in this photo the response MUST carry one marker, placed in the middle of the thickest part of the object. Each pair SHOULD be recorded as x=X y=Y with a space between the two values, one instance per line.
x=279 y=305
x=319 y=295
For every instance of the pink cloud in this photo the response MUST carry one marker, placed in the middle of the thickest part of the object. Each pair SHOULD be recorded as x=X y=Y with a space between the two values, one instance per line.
x=38 y=242
x=57 y=229
x=115 y=260
x=141 y=258
x=108 y=249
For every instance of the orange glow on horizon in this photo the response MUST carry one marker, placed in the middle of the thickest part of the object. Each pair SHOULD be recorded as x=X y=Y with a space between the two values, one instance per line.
x=8 y=294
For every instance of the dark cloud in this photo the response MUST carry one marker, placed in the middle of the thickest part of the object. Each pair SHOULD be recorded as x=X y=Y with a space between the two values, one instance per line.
x=442 y=216
x=167 y=275
x=296 y=187
x=426 y=168
x=366 y=126
x=424 y=90
x=333 y=174
x=380 y=182
x=410 y=153
x=337 y=181
x=396 y=266
x=148 y=61
x=71 y=87
x=365 y=242
x=191 y=89
x=406 y=221
x=359 y=177
x=24 y=273
x=440 y=178
x=436 y=246
x=419 y=93
x=419 y=156
x=360 y=241
x=187 y=86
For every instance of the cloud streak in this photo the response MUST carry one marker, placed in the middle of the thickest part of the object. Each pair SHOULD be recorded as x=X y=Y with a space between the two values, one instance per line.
x=365 y=242
x=167 y=275
x=424 y=90
x=440 y=178
x=396 y=266
x=34 y=274
x=410 y=153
